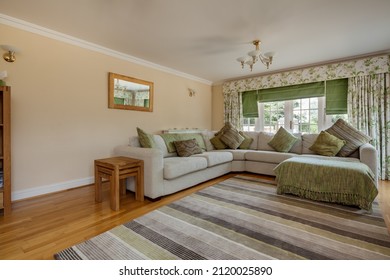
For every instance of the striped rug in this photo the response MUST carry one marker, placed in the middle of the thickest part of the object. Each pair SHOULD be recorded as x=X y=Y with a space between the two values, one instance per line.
x=243 y=218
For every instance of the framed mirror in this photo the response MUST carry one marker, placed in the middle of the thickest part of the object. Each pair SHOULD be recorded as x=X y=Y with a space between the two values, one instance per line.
x=129 y=93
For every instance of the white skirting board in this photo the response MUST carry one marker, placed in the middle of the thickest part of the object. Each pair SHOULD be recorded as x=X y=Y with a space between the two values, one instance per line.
x=41 y=190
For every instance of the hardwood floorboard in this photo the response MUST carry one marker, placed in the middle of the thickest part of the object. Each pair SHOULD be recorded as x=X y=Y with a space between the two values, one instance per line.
x=39 y=227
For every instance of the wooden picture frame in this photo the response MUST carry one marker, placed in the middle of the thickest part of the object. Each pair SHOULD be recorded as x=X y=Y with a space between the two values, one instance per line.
x=129 y=93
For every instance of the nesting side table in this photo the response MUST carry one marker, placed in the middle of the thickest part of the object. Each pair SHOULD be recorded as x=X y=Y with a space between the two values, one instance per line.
x=116 y=170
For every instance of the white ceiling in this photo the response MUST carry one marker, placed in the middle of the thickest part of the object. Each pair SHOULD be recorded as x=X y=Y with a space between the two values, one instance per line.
x=203 y=38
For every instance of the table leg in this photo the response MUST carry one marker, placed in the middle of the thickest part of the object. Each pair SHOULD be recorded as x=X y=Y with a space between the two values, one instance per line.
x=98 y=185
x=114 y=190
x=139 y=194
x=122 y=186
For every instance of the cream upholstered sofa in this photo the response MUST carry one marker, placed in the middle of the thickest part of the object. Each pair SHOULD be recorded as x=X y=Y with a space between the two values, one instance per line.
x=166 y=173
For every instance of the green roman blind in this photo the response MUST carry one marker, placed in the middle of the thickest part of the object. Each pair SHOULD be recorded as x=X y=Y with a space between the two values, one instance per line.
x=292 y=92
x=336 y=96
x=249 y=104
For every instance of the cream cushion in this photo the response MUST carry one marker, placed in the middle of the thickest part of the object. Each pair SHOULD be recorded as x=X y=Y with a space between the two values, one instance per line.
x=178 y=166
x=268 y=156
x=263 y=139
x=308 y=141
x=215 y=158
x=255 y=136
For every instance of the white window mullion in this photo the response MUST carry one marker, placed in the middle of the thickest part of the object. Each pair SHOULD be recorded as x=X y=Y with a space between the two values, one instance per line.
x=288 y=115
x=260 y=119
x=324 y=121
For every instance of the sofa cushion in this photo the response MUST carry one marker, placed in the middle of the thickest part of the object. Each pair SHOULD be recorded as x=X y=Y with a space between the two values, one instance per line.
x=268 y=156
x=255 y=136
x=186 y=148
x=145 y=139
x=247 y=140
x=353 y=137
x=308 y=141
x=232 y=138
x=264 y=138
x=297 y=147
x=227 y=126
x=238 y=154
x=178 y=166
x=169 y=138
x=207 y=135
x=327 y=144
x=283 y=140
x=160 y=144
x=134 y=141
x=215 y=158
x=217 y=143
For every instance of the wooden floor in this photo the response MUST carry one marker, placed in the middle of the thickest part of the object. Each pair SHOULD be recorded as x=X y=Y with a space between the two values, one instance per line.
x=41 y=226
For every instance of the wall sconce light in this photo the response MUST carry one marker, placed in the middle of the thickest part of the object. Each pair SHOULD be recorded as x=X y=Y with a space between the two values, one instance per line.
x=191 y=92
x=9 y=56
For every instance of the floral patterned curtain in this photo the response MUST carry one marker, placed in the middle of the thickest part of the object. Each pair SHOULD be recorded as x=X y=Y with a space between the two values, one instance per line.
x=232 y=104
x=232 y=90
x=369 y=111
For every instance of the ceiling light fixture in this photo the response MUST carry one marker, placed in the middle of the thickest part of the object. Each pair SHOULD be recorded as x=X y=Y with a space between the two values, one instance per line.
x=255 y=56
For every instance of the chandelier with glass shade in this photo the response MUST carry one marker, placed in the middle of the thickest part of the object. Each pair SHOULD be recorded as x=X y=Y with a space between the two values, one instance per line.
x=255 y=56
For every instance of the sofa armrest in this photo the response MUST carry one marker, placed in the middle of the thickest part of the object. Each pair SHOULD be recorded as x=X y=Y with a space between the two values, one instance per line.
x=153 y=167
x=369 y=156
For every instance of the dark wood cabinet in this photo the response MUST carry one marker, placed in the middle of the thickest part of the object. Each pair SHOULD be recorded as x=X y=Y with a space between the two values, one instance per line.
x=5 y=150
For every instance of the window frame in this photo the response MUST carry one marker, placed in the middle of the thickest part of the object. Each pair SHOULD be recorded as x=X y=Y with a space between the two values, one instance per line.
x=324 y=121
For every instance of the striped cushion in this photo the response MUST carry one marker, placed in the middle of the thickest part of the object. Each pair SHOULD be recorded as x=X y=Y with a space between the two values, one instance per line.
x=353 y=137
x=187 y=148
x=217 y=143
x=232 y=138
x=145 y=139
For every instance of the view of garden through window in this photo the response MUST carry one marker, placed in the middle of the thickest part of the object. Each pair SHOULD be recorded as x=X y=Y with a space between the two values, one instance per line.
x=300 y=115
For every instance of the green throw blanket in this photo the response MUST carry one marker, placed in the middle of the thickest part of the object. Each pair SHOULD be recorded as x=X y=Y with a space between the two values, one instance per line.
x=345 y=182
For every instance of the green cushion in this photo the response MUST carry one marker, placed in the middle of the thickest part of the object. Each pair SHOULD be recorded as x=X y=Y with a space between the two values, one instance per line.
x=227 y=126
x=353 y=137
x=247 y=141
x=327 y=145
x=217 y=143
x=283 y=140
x=232 y=138
x=145 y=139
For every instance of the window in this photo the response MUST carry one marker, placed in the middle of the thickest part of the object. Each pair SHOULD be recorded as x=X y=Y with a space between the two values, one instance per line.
x=306 y=115
x=249 y=124
x=298 y=108
x=273 y=116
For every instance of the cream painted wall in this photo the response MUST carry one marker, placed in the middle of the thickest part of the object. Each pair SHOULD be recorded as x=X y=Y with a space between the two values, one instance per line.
x=60 y=118
x=218 y=108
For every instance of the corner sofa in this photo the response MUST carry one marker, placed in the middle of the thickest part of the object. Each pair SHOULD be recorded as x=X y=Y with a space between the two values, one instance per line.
x=166 y=173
